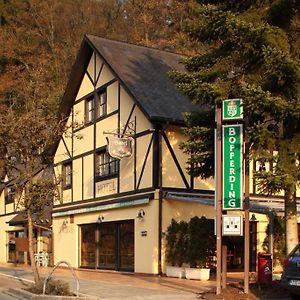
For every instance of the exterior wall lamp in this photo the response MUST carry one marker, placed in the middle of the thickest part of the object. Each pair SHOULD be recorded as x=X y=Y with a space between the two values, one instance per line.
x=100 y=219
x=253 y=218
x=141 y=214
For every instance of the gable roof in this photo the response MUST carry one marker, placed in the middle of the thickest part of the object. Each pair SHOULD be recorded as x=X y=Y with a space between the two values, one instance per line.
x=143 y=73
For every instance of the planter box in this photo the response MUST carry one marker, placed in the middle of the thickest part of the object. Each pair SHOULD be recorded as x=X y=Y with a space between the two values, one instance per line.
x=177 y=272
x=197 y=274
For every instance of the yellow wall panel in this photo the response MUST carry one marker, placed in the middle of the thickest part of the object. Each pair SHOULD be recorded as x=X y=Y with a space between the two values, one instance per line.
x=79 y=113
x=112 y=97
x=107 y=124
x=105 y=76
x=142 y=145
x=91 y=67
x=66 y=240
x=127 y=174
x=170 y=173
x=106 y=187
x=84 y=141
x=99 y=63
x=125 y=108
x=88 y=177
x=67 y=196
x=86 y=87
x=77 y=179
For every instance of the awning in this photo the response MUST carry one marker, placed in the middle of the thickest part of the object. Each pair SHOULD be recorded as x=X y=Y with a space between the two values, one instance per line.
x=39 y=219
x=263 y=205
x=19 y=220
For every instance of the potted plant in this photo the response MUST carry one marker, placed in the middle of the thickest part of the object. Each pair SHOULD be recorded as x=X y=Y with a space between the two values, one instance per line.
x=176 y=248
x=200 y=249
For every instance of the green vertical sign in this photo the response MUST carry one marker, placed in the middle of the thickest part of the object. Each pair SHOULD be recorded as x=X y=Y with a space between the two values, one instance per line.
x=232 y=166
x=232 y=109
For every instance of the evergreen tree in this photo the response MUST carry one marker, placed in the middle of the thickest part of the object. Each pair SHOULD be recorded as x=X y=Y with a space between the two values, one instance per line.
x=252 y=52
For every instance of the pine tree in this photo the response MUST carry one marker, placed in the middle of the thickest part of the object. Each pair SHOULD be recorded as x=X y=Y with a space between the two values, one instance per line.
x=252 y=52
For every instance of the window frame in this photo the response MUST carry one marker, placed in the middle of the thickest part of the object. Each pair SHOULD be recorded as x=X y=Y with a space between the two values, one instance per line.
x=111 y=163
x=89 y=115
x=101 y=106
x=95 y=105
x=10 y=195
x=67 y=184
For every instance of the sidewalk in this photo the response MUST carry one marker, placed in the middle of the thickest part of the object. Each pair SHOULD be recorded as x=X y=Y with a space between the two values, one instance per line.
x=117 y=286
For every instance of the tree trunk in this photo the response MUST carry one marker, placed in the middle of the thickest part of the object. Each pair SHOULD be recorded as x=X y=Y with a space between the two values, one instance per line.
x=34 y=269
x=291 y=220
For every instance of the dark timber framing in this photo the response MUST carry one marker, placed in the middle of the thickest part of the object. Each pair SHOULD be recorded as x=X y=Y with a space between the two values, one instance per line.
x=175 y=160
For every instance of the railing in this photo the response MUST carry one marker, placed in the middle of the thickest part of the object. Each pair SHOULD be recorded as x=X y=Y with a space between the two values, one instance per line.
x=54 y=268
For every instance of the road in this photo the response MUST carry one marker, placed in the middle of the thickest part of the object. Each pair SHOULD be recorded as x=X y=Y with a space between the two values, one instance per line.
x=5 y=284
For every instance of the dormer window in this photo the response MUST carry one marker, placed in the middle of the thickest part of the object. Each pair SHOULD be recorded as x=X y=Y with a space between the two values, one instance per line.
x=10 y=195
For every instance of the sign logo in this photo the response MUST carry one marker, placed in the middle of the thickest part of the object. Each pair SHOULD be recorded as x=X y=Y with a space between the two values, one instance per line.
x=232 y=109
x=119 y=147
x=232 y=166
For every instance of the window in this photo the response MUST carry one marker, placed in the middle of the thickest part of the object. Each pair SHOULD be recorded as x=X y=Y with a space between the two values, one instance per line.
x=96 y=106
x=101 y=108
x=106 y=165
x=10 y=195
x=89 y=110
x=67 y=175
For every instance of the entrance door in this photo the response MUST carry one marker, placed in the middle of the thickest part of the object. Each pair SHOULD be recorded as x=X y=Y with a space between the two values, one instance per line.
x=109 y=245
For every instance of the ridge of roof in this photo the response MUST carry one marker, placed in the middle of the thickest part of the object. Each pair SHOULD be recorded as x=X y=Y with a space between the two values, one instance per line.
x=135 y=45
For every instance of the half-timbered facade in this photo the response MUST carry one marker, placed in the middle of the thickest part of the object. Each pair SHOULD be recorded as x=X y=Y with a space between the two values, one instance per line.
x=114 y=210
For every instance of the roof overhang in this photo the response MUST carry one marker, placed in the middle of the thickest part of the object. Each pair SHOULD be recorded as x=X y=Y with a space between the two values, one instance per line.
x=263 y=205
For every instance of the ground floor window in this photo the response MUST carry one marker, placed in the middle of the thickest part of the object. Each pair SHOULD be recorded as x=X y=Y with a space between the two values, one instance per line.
x=108 y=245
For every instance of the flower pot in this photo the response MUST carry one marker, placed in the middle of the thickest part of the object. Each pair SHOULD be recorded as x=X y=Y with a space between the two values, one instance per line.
x=197 y=274
x=175 y=272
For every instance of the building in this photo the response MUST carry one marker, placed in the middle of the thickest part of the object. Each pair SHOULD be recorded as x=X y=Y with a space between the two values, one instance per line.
x=113 y=212
x=123 y=173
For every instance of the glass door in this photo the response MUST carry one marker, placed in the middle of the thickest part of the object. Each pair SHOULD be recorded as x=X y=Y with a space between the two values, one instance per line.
x=107 y=246
x=88 y=246
x=126 y=246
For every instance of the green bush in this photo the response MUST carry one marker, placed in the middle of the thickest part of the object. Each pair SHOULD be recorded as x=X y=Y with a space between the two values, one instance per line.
x=201 y=245
x=177 y=241
x=192 y=242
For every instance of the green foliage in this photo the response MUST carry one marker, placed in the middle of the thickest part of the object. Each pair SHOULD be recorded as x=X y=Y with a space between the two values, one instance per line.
x=177 y=241
x=192 y=242
x=201 y=246
x=247 y=58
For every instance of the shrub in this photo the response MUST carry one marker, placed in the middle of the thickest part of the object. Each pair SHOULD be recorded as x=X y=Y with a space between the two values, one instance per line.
x=177 y=241
x=201 y=245
x=53 y=287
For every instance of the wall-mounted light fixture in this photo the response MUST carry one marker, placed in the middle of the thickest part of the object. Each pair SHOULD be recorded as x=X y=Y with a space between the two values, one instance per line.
x=141 y=214
x=253 y=218
x=65 y=222
x=100 y=219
